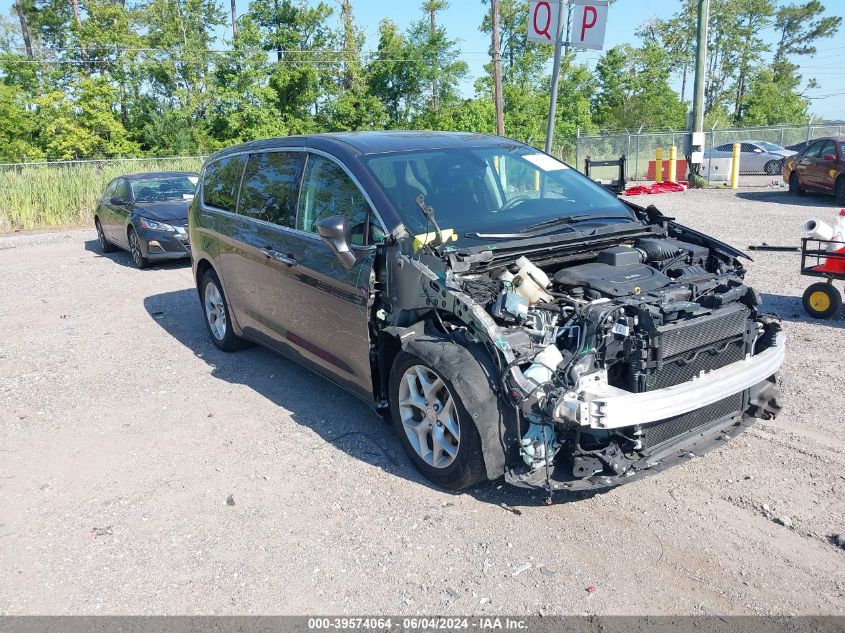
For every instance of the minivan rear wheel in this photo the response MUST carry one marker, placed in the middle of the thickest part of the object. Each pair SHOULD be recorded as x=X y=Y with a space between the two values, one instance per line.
x=216 y=311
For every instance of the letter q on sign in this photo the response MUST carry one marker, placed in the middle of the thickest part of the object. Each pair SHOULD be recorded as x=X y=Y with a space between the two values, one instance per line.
x=542 y=20
x=589 y=23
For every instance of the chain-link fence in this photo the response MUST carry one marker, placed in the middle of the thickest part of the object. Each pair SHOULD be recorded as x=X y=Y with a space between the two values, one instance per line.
x=763 y=150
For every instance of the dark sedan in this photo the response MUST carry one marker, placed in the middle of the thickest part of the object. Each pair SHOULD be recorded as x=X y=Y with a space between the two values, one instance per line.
x=818 y=167
x=147 y=214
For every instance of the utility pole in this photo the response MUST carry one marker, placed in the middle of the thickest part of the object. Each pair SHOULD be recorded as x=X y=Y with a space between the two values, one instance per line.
x=559 y=44
x=234 y=22
x=700 y=66
x=278 y=28
x=497 y=71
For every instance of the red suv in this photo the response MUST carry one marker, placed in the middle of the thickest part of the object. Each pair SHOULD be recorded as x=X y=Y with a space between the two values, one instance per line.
x=818 y=167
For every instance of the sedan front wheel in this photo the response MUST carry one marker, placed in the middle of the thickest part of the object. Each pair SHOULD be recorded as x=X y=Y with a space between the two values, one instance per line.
x=135 y=250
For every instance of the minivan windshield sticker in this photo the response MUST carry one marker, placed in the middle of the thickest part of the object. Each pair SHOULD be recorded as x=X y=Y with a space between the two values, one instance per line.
x=544 y=162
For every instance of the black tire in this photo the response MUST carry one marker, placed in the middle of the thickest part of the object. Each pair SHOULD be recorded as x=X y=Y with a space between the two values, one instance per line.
x=467 y=466
x=773 y=167
x=105 y=245
x=822 y=300
x=840 y=191
x=138 y=258
x=795 y=185
x=228 y=341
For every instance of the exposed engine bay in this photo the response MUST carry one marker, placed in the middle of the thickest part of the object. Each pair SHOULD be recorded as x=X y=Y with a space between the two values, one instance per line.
x=618 y=353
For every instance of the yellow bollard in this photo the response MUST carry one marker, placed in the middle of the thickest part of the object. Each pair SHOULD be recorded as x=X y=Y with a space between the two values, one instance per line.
x=496 y=164
x=658 y=165
x=735 y=167
x=536 y=180
x=673 y=164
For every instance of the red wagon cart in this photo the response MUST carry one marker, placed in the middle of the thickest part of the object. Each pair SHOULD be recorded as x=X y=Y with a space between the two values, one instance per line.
x=825 y=259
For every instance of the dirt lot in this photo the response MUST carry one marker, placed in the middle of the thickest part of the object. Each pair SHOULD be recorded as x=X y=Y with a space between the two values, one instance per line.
x=123 y=431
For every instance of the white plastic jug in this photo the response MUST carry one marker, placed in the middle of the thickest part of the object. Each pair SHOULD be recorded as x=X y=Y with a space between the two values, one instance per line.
x=530 y=282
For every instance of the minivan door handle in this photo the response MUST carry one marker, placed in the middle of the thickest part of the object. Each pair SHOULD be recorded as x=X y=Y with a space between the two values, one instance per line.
x=279 y=257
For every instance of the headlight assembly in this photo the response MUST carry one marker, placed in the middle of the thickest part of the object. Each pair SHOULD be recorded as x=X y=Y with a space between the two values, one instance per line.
x=156 y=226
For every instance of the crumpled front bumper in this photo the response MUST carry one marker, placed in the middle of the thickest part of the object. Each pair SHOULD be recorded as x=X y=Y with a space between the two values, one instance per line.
x=597 y=405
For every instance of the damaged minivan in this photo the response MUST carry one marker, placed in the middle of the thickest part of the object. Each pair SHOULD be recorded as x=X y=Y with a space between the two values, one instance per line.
x=511 y=317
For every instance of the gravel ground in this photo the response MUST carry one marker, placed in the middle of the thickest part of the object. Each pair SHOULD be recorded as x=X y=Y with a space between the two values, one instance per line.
x=144 y=472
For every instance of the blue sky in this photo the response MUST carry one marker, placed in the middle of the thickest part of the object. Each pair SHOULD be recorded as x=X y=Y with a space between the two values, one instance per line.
x=463 y=18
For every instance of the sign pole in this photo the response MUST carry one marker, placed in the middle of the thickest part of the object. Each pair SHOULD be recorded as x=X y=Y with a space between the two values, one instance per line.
x=550 y=128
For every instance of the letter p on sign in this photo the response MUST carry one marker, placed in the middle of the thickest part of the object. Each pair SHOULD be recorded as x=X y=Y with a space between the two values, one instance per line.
x=590 y=21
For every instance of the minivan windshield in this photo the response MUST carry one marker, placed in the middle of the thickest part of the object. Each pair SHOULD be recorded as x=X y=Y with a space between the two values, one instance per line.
x=485 y=193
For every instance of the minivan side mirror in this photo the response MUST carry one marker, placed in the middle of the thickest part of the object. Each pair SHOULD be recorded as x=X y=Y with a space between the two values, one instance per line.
x=335 y=232
x=829 y=157
x=118 y=202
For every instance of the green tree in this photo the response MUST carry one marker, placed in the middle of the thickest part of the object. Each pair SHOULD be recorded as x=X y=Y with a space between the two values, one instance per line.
x=81 y=123
x=523 y=61
x=352 y=106
x=19 y=132
x=180 y=72
x=302 y=40
x=440 y=66
x=773 y=97
x=633 y=90
x=677 y=37
x=611 y=102
x=392 y=75
x=799 y=26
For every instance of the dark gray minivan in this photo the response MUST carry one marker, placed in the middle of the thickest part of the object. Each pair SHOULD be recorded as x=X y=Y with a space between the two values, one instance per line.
x=509 y=315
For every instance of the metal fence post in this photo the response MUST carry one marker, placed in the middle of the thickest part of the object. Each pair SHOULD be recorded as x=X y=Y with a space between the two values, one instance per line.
x=637 y=161
x=577 y=148
x=712 y=149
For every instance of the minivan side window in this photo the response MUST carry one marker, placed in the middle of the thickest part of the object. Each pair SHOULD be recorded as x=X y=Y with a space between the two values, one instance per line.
x=270 y=187
x=326 y=191
x=221 y=182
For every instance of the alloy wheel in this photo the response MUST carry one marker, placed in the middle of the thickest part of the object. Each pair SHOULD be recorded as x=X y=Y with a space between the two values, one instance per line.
x=215 y=311
x=135 y=249
x=101 y=237
x=429 y=416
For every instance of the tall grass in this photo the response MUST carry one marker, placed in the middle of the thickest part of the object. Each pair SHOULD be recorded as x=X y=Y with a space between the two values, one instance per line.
x=59 y=195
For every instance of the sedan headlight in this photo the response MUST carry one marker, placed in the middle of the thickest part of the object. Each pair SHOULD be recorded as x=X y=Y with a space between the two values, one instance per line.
x=156 y=226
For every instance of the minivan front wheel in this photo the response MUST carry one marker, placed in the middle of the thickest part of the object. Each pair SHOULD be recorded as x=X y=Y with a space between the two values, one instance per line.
x=216 y=312
x=431 y=421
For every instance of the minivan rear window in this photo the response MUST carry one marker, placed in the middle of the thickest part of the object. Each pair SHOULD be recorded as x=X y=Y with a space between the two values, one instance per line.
x=270 y=187
x=221 y=182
